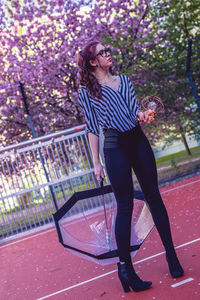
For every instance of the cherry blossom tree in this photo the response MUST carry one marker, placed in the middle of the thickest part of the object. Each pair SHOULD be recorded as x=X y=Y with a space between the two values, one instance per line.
x=40 y=41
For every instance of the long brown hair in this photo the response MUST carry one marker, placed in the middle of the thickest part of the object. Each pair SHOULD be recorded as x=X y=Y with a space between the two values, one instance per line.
x=85 y=76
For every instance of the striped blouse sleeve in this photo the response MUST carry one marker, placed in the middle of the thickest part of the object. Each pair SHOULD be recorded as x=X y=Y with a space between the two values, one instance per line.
x=136 y=106
x=91 y=120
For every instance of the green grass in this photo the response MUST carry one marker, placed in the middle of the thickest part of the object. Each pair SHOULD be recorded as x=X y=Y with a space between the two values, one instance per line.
x=176 y=171
x=178 y=157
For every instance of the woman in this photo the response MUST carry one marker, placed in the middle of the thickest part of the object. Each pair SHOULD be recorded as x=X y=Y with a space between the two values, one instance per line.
x=109 y=101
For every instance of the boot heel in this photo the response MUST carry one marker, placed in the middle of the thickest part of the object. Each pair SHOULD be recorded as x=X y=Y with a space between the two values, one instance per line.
x=125 y=286
x=129 y=278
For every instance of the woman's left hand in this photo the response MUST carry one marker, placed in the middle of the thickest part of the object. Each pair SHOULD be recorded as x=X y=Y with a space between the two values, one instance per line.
x=146 y=116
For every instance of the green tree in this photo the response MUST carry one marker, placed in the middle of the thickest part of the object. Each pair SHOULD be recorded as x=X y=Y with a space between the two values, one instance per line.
x=160 y=69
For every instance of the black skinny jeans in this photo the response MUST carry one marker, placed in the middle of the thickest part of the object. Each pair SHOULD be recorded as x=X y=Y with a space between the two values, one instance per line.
x=132 y=150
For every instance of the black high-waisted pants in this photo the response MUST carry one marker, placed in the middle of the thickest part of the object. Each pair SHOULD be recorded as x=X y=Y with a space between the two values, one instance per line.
x=124 y=151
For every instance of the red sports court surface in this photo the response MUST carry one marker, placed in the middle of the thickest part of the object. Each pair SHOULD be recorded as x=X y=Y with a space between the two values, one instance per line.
x=39 y=267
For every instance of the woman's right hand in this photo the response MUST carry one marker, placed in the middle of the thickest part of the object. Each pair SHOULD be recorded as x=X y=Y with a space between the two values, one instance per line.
x=98 y=171
x=146 y=116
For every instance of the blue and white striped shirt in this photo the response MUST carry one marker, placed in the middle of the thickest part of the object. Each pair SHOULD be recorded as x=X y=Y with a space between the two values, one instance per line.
x=118 y=109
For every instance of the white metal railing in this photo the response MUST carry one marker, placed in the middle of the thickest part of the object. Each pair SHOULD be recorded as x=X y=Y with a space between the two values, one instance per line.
x=39 y=175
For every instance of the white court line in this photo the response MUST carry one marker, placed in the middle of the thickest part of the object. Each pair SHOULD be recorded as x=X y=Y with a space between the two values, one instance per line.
x=38 y=234
x=76 y=285
x=105 y=274
x=180 y=246
x=178 y=187
x=27 y=238
x=182 y=282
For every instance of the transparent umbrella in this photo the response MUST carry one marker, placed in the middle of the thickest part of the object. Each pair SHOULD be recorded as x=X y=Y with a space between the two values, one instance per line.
x=85 y=224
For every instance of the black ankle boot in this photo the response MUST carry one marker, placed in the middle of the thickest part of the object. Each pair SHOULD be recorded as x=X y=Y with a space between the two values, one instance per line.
x=174 y=265
x=129 y=278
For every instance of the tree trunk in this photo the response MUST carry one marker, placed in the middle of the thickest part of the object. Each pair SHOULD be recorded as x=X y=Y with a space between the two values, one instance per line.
x=185 y=143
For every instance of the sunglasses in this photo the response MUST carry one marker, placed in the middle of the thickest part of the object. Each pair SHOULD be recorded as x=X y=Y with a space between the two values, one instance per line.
x=103 y=52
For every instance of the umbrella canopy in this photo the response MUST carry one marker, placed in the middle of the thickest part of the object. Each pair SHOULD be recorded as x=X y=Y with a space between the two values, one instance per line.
x=85 y=224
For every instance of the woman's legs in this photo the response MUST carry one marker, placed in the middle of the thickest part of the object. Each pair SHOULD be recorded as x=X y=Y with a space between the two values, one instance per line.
x=135 y=151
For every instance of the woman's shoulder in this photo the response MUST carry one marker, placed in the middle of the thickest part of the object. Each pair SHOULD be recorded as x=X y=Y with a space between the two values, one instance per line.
x=83 y=94
x=124 y=76
x=82 y=90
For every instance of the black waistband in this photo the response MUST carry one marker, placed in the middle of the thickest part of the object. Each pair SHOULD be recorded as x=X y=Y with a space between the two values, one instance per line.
x=114 y=131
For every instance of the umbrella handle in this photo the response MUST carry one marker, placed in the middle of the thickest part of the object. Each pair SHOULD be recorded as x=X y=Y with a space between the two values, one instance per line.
x=105 y=214
x=101 y=181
